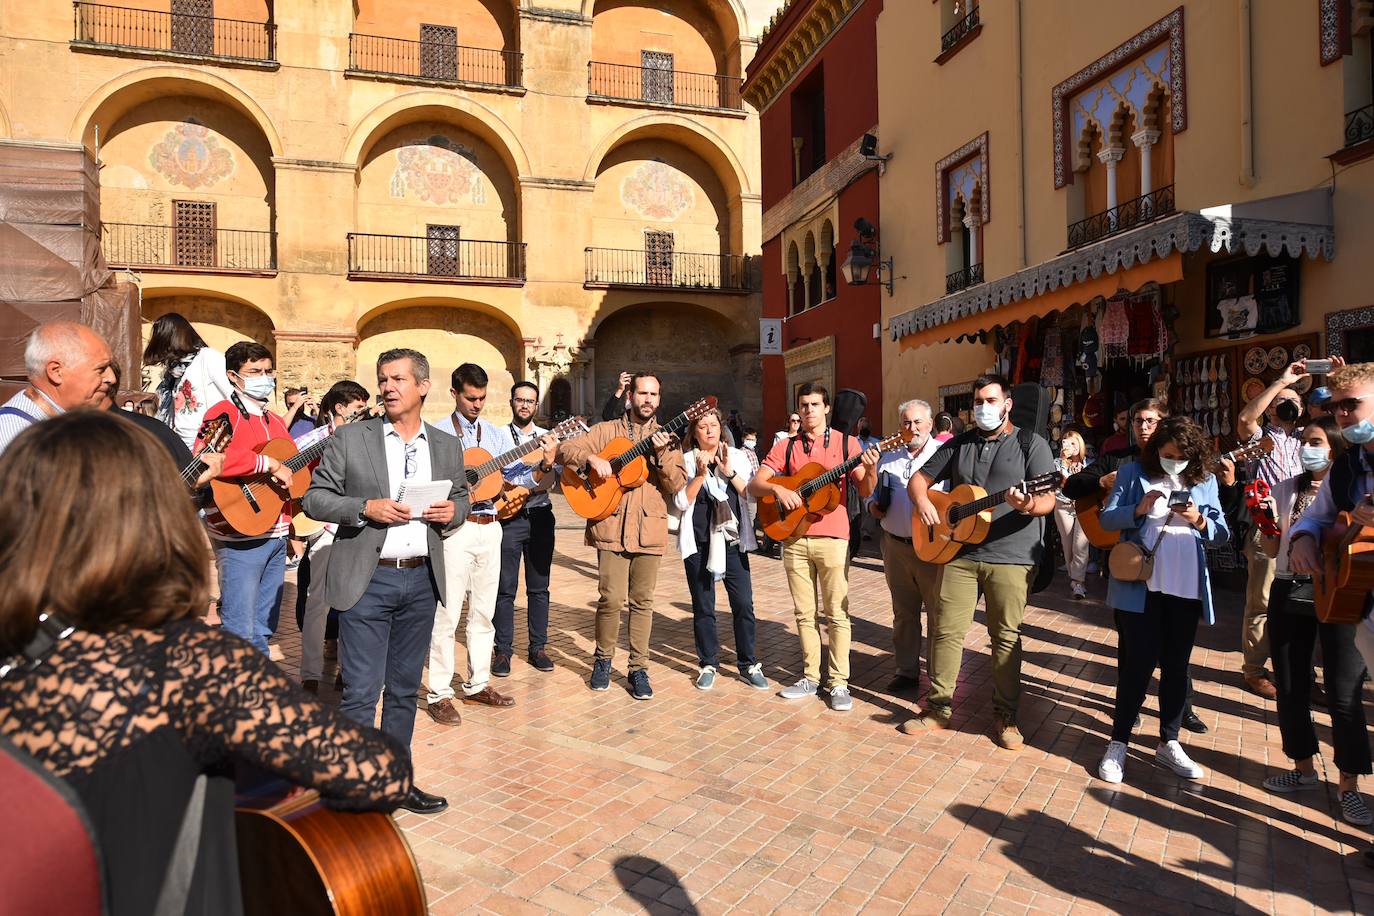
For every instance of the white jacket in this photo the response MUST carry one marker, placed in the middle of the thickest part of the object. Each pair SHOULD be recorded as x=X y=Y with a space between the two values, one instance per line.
x=202 y=385
x=739 y=462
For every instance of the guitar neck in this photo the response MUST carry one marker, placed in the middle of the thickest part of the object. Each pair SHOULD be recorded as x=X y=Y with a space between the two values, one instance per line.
x=191 y=473
x=306 y=455
x=500 y=461
x=991 y=501
x=832 y=476
x=642 y=447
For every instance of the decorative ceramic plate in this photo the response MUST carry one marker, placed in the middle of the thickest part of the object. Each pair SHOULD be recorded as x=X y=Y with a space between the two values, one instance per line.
x=1278 y=358
x=1056 y=414
x=1255 y=360
x=1301 y=352
x=1252 y=389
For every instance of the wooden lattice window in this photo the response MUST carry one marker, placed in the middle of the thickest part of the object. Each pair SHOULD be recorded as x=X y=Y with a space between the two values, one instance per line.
x=193 y=26
x=656 y=76
x=441 y=251
x=658 y=257
x=193 y=233
x=439 y=52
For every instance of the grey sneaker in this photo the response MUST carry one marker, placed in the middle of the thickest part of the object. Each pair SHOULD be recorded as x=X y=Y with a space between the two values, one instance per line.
x=1292 y=781
x=799 y=691
x=840 y=700
x=1354 y=810
x=707 y=678
x=754 y=675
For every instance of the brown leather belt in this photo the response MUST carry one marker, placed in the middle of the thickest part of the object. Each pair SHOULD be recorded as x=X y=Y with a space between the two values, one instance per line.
x=406 y=563
x=481 y=519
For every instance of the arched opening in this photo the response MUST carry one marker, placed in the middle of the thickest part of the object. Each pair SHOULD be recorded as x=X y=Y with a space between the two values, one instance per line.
x=814 y=292
x=472 y=41
x=796 y=288
x=220 y=321
x=681 y=52
x=448 y=335
x=558 y=404
x=827 y=258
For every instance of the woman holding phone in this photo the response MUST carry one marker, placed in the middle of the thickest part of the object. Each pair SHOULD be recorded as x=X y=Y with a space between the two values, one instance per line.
x=1072 y=457
x=1165 y=503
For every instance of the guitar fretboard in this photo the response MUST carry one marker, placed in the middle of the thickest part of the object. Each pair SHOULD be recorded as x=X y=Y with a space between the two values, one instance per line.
x=838 y=472
x=642 y=447
x=1032 y=487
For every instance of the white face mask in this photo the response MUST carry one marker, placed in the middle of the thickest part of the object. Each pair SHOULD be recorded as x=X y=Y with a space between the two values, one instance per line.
x=750 y=443
x=1314 y=457
x=259 y=387
x=1174 y=466
x=988 y=417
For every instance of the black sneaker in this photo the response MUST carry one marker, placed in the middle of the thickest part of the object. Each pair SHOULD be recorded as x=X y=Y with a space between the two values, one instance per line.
x=1193 y=723
x=540 y=660
x=639 y=685
x=500 y=665
x=601 y=674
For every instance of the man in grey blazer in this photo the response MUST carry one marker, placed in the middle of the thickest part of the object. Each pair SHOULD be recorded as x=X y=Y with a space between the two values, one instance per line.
x=387 y=570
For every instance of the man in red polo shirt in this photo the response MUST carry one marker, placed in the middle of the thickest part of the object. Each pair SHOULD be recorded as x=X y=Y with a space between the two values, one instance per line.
x=821 y=555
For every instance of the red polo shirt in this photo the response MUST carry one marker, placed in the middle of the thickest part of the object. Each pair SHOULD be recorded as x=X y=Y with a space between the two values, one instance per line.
x=835 y=523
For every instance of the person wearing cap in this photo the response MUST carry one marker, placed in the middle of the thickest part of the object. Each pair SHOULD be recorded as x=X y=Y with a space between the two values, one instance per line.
x=1317 y=401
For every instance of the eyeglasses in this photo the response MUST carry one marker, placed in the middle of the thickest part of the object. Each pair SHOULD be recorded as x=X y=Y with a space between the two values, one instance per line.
x=1145 y=421
x=794 y=419
x=1347 y=405
x=524 y=402
x=411 y=460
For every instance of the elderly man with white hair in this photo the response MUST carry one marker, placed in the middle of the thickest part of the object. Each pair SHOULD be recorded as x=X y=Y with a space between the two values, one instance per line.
x=69 y=366
x=911 y=581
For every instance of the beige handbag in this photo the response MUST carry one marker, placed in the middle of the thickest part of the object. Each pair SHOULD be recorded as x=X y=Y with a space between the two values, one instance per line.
x=1131 y=562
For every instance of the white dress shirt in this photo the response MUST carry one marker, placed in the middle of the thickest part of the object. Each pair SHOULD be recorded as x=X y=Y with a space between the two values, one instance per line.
x=494 y=440
x=405 y=542
x=895 y=470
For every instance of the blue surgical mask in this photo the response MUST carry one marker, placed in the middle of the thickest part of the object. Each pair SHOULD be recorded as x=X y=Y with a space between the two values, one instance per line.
x=1314 y=457
x=1361 y=433
x=988 y=417
x=1173 y=466
x=259 y=387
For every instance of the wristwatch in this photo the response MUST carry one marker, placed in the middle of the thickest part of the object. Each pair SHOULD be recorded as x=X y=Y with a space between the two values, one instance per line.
x=545 y=467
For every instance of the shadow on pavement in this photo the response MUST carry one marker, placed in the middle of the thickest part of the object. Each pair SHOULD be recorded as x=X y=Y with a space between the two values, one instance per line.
x=653 y=885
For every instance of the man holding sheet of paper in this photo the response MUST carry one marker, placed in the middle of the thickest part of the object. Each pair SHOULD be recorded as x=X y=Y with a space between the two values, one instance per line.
x=387 y=570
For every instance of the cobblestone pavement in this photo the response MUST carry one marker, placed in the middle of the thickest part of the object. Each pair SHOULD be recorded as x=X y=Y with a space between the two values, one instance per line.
x=737 y=800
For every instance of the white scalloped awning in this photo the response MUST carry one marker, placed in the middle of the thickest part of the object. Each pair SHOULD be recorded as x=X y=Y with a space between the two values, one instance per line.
x=1249 y=227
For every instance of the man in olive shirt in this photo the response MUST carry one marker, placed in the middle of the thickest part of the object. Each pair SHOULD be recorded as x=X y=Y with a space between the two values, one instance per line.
x=995 y=456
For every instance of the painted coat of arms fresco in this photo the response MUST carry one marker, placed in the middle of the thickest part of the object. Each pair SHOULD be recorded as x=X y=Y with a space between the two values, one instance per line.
x=657 y=191
x=191 y=156
x=438 y=170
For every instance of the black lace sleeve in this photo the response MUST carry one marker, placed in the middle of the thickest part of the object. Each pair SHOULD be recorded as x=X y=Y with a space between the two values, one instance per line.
x=227 y=699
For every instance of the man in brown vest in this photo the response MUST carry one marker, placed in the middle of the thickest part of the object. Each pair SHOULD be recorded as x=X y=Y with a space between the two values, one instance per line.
x=630 y=543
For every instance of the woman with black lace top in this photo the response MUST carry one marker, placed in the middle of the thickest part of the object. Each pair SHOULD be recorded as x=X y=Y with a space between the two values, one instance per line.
x=142 y=698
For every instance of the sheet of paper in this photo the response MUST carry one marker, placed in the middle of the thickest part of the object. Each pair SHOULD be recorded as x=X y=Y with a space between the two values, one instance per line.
x=420 y=496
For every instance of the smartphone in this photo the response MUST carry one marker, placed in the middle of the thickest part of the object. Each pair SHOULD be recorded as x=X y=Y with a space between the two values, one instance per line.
x=1317 y=366
x=1179 y=499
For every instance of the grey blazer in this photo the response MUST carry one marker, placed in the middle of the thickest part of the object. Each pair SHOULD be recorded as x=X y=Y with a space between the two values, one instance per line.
x=353 y=470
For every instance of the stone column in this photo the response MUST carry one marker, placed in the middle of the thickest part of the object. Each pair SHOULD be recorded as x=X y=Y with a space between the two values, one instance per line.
x=1145 y=141
x=971 y=224
x=1109 y=157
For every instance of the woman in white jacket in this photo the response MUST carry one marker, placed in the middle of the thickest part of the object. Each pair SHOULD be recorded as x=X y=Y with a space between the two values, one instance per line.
x=715 y=536
x=193 y=375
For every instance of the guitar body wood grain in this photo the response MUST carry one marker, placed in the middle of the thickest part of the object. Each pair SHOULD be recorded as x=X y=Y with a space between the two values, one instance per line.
x=1089 y=511
x=791 y=525
x=941 y=542
x=595 y=499
x=299 y=857
x=1343 y=588
x=488 y=487
x=511 y=500
x=240 y=513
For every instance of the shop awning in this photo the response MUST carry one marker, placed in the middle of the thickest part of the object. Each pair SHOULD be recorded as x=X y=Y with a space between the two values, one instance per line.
x=1294 y=224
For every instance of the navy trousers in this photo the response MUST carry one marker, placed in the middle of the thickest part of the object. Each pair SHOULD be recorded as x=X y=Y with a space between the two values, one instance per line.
x=739 y=589
x=527 y=538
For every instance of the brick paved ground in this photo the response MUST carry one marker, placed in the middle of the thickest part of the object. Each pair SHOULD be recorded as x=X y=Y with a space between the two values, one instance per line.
x=736 y=800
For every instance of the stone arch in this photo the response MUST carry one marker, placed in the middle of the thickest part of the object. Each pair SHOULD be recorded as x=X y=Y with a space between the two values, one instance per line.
x=108 y=103
x=222 y=319
x=449 y=331
x=378 y=17
x=703 y=141
x=731 y=11
x=428 y=104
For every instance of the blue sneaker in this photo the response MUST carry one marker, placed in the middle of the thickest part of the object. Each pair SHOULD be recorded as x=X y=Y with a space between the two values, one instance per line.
x=639 y=685
x=601 y=674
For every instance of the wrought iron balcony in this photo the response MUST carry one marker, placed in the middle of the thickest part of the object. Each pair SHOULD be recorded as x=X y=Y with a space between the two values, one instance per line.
x=437 y=61
x=961 y=279
x=663 y=86
x=635 y=267
x=960 y=30
x=438 y=257
x=1359 y=125
x=188 y=248
x=101 y=26
x=1135 y=212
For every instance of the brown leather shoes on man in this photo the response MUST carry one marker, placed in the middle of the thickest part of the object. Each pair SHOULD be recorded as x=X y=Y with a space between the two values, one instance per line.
x=445 y=713
x=1260 y=685
x=487 y=697
x=1005 y=733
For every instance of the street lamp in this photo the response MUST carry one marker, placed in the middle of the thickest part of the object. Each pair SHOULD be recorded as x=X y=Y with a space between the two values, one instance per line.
x=865 y=259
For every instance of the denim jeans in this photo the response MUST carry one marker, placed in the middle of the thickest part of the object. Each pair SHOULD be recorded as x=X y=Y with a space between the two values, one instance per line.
x=251 y=574
x=701 y=583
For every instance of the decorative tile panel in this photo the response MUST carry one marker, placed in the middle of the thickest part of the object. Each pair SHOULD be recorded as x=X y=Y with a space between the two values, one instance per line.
x=961 y=171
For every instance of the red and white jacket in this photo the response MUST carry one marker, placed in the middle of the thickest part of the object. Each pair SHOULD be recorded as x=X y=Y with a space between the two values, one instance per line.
x=241 y=459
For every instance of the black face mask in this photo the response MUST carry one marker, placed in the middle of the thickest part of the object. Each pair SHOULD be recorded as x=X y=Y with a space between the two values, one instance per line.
x=1288 y=412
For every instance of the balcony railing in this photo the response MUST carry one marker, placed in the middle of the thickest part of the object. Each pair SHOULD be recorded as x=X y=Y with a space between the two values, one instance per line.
x=436 y=257
x=1359 y=125
x=608 y=267
x=961 y=29
x=961 y=279
x=433 y=60
x=663 y=86
x=1132 y=213
x=179 y=33
x=190 y=248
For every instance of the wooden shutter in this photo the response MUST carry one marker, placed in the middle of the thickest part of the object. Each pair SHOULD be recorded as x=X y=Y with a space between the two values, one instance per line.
x=656 y=75
x=193 y=26
x=441 y=251
x=193 y=233
x=658 y=258
x=439 y=52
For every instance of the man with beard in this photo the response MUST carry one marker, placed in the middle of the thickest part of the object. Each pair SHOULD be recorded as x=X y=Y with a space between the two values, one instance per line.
x=68 y=366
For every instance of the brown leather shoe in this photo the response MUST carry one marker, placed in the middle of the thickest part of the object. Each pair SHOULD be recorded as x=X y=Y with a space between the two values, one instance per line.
x=444 y=712
x=310 y=685
x=1261 y=686
x=487 y=697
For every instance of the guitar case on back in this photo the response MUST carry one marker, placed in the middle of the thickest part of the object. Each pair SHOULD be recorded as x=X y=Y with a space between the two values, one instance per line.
x=1030 y=411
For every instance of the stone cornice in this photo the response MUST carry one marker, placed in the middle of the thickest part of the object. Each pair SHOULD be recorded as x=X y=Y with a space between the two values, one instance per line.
x=312 y=165
x=819 y=188
x=780 y=60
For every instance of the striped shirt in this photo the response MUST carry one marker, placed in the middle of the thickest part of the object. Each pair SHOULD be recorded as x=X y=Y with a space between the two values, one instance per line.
x=1283 y=462
x=11 y=425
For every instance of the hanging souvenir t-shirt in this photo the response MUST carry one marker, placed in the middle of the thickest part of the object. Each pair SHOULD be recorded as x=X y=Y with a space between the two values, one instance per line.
x=1239 y=316
x=1114 y=329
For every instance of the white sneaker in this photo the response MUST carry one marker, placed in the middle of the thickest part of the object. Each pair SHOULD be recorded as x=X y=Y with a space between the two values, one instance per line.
x=1078 y=591
x=706 y=679
x=1113 y=765
x=840 y=700
x=1172 y=755
x=803 y=688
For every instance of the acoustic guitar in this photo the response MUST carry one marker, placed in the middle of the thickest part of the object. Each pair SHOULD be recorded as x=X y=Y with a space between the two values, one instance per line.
x=1089 y=508
x=510 y=500
x=297 y=856
x=966 y=516
x=820 y=489
x=303 y=527
x=483 y=472
x=595 y=499
x=1341 y=592
x=215 y=434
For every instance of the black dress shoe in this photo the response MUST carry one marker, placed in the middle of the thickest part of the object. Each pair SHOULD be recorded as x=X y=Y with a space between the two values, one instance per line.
x=1193 y=723
x=540 y=660
x=500 y=665
x=424 y=803
x=901 y=682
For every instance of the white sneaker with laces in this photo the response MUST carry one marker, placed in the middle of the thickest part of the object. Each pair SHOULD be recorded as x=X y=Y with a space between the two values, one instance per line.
x=1172 y=755
x=1113 y=766
x=1078 y=591
x=840 y=700
x=803 y=688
